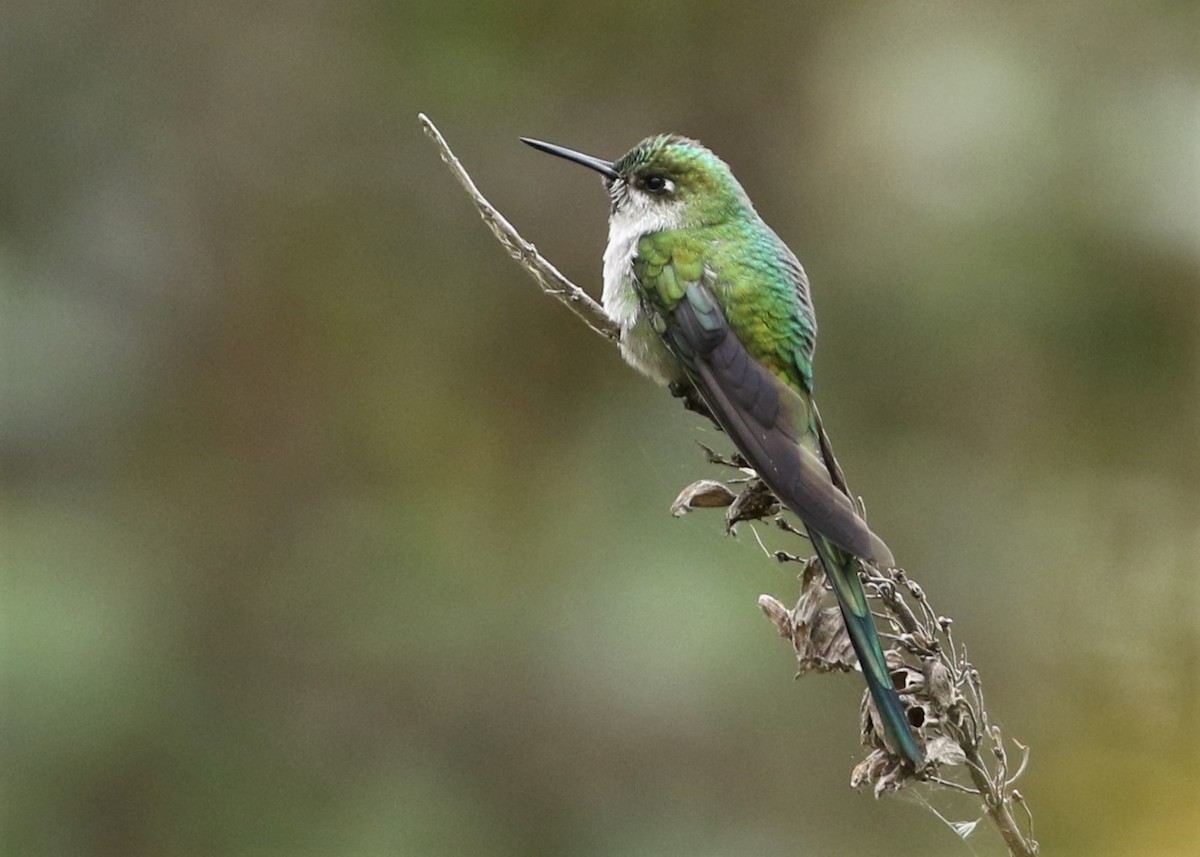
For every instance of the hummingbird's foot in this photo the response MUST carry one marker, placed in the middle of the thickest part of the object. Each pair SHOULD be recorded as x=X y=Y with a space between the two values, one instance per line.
x=691 y=399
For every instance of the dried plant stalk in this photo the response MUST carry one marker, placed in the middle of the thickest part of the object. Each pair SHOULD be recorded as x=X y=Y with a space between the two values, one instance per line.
x=548 y=277
x=942 y=691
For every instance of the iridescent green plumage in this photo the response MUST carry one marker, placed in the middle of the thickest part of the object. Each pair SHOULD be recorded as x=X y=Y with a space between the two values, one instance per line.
x=756 y=291
x=709 y=297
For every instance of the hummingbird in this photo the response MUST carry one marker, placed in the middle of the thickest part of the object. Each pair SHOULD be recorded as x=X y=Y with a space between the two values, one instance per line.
x=711 y=303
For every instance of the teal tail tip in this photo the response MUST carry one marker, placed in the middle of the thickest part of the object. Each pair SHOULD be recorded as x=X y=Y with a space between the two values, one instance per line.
x=894 y=719
x=914 y=755
x=841 y=570
x=901 y=738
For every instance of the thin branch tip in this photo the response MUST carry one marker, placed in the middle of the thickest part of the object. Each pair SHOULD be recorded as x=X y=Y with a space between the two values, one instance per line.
x=549 y=279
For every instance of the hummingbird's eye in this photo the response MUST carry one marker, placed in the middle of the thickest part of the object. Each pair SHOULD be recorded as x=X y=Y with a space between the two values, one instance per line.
x=658 y=184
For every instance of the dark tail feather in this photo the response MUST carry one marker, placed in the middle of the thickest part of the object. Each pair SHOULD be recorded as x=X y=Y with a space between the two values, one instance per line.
x=842 y=571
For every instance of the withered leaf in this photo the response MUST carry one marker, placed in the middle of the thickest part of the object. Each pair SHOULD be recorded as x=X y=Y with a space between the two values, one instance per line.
x=704 y=494
x=819 y=633
x=944 y=750
x=779 y=615
x=885 y=772
x=939 y=684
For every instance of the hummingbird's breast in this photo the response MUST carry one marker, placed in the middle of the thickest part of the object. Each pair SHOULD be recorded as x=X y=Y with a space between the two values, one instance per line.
x=641 y=346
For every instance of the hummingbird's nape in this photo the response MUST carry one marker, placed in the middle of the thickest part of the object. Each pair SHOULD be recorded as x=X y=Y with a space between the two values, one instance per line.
x=601 y=166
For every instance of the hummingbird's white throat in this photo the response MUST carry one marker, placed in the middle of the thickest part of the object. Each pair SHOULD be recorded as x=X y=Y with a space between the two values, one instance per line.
x=637 y=213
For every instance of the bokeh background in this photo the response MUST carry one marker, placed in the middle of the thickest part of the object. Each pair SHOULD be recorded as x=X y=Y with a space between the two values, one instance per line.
x=325 y=534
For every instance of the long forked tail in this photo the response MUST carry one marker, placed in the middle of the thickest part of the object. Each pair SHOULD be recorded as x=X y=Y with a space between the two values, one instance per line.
x=842 y=571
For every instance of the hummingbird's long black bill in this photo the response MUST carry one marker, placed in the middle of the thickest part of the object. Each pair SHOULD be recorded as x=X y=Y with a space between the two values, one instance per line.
x=603 y=167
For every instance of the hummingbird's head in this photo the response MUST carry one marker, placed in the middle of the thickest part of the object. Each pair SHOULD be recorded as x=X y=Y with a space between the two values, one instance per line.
x=665 y=182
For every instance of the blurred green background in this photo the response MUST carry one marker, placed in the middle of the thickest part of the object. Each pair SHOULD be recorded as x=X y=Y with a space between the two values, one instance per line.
x=325 y=534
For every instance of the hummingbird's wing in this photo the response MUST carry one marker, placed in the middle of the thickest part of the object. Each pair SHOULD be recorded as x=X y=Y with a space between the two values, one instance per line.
x=760 y=413
x=772 y=421
x=765 y=418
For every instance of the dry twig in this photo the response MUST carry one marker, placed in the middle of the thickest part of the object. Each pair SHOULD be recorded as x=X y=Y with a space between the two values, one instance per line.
x=942 y=691
x=550 y=279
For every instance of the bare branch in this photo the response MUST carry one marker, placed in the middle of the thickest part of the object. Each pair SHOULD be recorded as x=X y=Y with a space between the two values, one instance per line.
x=936 y=681
x=550 y=279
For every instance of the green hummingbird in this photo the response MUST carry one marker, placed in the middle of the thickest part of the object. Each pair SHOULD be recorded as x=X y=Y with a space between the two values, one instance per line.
x=712 y=303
